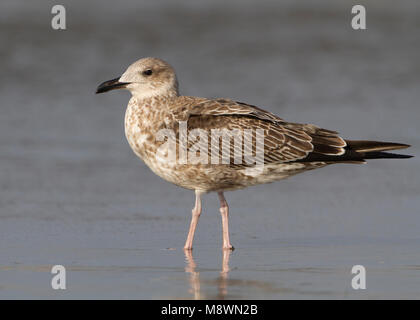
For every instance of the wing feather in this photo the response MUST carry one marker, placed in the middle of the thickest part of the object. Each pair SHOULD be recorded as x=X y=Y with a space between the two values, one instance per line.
x=283 y=141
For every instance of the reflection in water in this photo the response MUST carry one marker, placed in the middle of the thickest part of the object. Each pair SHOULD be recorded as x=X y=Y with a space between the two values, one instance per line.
x=224 y=274
x=194 y=275
x=221 y=287
x=194 y=278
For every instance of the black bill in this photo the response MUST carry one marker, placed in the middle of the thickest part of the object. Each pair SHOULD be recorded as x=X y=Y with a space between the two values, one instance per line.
x=111 y=85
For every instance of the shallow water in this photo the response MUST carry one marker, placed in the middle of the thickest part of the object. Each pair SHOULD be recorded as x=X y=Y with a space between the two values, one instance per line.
x=73 y=193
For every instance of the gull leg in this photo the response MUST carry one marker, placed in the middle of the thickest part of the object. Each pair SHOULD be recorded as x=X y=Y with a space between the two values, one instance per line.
x=196 y=212
x=224 y=211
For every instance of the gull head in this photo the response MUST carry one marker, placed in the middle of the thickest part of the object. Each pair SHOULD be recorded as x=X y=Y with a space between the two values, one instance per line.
x=145 y=78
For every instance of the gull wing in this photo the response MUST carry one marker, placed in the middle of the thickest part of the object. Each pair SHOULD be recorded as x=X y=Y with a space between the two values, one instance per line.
x=283 y=141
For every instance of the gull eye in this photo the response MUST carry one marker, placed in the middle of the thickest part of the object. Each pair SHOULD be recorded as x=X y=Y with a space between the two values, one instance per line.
x=147 y=72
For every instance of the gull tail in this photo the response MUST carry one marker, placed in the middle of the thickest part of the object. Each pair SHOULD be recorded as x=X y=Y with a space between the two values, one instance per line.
x=376 y=149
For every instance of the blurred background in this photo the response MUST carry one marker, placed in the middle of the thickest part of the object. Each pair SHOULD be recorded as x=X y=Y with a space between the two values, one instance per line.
x=73 y=193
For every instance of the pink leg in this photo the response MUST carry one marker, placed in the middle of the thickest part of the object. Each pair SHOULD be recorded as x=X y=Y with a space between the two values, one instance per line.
x=224 y=211
x=196 y=212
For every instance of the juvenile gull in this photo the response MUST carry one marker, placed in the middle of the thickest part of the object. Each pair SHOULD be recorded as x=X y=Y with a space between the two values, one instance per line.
x=288 y=148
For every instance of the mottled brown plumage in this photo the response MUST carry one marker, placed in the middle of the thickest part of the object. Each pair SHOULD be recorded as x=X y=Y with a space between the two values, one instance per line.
x=288 y=148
